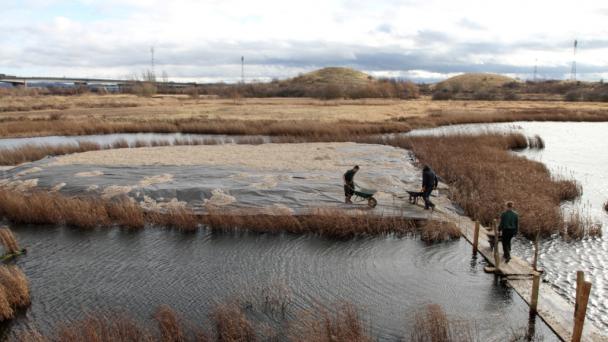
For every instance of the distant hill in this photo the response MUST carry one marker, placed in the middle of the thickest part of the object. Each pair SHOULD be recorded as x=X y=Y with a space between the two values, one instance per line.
x=474 y=82
x=332 y=75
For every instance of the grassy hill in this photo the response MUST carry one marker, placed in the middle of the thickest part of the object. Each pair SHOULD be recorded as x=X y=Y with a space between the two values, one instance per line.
x=474 y=82
x=333 y=75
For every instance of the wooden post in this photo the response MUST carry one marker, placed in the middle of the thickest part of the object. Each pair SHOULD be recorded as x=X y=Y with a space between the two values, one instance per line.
x=535 y=261
x=496 y=254
x=579 y=320
x=580 y=280
x=476 y=237
x=535 y=287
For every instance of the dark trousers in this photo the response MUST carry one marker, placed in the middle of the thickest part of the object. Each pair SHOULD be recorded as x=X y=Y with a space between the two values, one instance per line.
x=507 y=235
x=427 y=200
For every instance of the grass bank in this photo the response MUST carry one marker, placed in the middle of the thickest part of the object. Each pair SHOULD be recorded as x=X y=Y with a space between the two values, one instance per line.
x=44 y=208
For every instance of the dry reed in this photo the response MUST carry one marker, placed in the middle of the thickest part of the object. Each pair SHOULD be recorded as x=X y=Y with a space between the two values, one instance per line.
x=232 y=325
x=433 y=231
x=14 y=291
x=579 y=225
x=8 y=240
x=39 y=207
x=342 y=325
x=433 y=325
x=103 y=327
x=169 y=324
x=483 y=175
x=31 y=152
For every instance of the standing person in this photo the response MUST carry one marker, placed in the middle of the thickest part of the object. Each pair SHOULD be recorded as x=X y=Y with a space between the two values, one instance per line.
x=349 y=183
x=509 y=224
x=429 y=182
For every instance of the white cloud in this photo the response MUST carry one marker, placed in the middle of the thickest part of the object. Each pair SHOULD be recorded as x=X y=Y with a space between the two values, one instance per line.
x=205 y=39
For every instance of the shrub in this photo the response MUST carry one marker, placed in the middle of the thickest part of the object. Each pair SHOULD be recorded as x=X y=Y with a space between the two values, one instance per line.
x=442 y=95
x=484 y=95
x=145 y=89
x=331 y=91
x=573 y=96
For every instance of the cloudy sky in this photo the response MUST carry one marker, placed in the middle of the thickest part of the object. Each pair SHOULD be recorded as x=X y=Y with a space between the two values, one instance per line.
x=204 y=40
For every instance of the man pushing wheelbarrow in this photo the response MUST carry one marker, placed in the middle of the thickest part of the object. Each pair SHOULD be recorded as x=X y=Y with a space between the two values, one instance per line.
x=350 y=189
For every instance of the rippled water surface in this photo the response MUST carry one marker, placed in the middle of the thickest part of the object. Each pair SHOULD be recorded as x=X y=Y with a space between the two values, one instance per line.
x=577 y=150
x=72 y=272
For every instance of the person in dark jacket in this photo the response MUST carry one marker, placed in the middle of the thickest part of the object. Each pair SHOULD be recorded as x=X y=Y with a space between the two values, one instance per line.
x=509 y=224
x=429 y=182
x=349 y=183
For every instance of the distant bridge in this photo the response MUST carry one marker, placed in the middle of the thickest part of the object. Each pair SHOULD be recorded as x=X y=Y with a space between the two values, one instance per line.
x=23 y=81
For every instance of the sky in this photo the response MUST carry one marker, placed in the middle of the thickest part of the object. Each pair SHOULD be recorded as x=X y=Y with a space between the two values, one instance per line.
x=203 y=41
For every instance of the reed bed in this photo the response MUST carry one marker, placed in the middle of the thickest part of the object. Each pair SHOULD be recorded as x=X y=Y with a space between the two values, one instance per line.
x=431 y=324
x=32 y=152
x=579 y=225
x=229 y=322
x=8 y=241
x=14 y=291
x=299 y=128
x=433 y=231
x=343 y=324
x=483 y=175
x=44 y=208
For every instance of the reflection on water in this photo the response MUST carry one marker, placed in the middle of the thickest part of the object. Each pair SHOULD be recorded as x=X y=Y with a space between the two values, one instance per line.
x=388 y=278
x=576 y=150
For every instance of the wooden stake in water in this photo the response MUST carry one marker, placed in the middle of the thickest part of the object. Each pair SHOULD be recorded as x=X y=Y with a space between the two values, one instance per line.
x=580 y=280
x=496 y=254
x=579 y=319
x=535 y=261
x=476 y=237
x=535 y=288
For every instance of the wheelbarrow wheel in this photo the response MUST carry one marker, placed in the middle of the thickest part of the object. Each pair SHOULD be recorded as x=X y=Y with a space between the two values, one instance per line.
x=371 y=202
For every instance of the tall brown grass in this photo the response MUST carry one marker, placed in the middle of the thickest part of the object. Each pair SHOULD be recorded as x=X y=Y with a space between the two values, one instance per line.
x=39 y=207
x=301 y=128
x=343 y=324
x=8 y=241
x=433 y=231
x=578 y=226
x=14 y=291
x=483 y=175
x=232 y=325
x=101 y=327
x=229 y=322
x=433 y=325
x=31 y=152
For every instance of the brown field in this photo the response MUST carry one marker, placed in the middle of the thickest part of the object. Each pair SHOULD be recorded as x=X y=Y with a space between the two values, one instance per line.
x=102 y=114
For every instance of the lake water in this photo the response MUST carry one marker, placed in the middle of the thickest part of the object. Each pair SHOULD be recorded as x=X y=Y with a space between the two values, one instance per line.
x=73 y=271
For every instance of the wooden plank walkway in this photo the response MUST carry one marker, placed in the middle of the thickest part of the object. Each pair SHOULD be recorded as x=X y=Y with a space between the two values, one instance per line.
x=552 y=308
